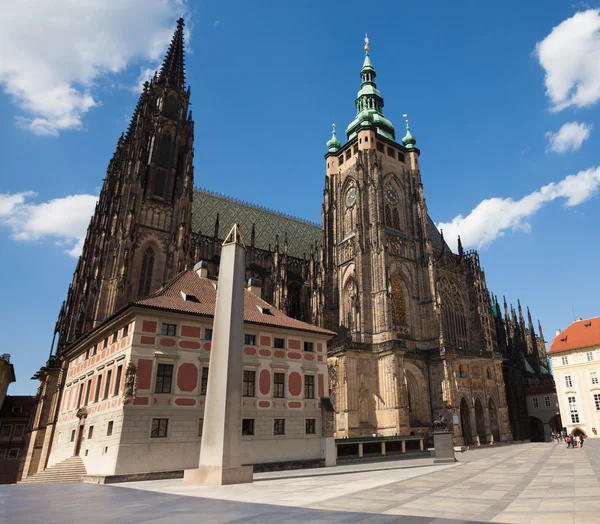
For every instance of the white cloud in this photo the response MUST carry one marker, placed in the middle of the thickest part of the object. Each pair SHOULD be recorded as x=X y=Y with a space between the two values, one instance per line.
x=569 y=137
x=492 y=217
x=570 y=56
x=63 y=220
x=50 y=63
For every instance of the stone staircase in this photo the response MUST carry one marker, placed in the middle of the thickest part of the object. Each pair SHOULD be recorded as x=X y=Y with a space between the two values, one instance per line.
x=69 y=470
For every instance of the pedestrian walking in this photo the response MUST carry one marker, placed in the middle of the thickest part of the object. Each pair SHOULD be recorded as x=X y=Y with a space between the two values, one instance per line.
x=568 y=441
x=580 y=441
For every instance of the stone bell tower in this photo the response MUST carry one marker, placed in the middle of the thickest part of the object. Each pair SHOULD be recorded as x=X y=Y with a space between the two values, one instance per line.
x=377 y=278
x=140 y=233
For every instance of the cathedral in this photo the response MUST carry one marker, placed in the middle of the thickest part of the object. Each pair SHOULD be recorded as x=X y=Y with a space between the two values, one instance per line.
x=419 y=336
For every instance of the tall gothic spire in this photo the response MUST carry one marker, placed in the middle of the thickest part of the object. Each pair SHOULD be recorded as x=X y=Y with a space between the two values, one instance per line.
x=369 y=103
x=172 y=71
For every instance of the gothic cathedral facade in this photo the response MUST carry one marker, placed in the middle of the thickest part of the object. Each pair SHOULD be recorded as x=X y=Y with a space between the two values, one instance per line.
x=418 y=337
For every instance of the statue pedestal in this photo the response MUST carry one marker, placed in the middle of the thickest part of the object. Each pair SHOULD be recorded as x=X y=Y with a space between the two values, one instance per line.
x=444 y=448
x=218 y=476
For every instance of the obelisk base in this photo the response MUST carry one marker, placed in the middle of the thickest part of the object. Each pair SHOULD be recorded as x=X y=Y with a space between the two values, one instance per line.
x=217 y=476
x=444 y=448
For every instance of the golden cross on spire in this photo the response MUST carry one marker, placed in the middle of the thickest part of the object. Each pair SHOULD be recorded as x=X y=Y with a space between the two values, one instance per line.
x=366 y=42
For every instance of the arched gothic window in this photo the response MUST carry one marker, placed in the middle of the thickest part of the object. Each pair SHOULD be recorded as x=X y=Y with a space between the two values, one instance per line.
x=396 y=219
x=461 y=372
x=163 y=154
x=388 y=216
x=454 y=320
x=146 y=273
x=399 y=315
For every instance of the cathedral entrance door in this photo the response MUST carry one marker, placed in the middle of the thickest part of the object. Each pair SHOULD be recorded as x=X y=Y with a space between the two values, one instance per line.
x=494 y=427
x=465 y=422
x=480 y=421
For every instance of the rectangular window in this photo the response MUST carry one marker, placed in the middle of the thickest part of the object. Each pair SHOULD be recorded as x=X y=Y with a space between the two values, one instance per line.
x=250 y=340
x=17 y=409
x=115 y=336
x=126 y=329
x=247 y=426
x=249 y=382
x=565 y=361
x=98 y=388
x=594 y=378
x=590 y=356
x=6 y=430
x=208 y=334
x=355 y=149
x=309 y=346
x=118 y=380
x=109 y=428
x=536 y=404
x=568 y=381
x=90 y=432
x=164 y=377
x=380 y=147
x=391 y=152
x=279 y=343
x=400 y=156
x=597 y=401
x=547 y=402
x=19 y=430
x=309 y=386
x=87 y=391
x=311 y=426
x=204 y=381
x=279 y=426
x=341 y=159
x=572 y=404
x=574 y=418
x=107 y=384
x=169 y=330
x=13 y=454
x=348 y=154
x=159 y=427
x=87 y=354
x=105 y=343
x=200 y=426
x=79 y=395
x=73 y=436
x=279 y=385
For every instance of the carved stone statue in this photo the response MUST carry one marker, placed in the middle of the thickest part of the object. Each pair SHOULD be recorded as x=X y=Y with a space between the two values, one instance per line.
x=130 y=386
x=440 y=424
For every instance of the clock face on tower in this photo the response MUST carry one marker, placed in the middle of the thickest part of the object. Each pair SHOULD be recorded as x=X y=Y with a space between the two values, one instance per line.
x=351 y=197
x=391 y=196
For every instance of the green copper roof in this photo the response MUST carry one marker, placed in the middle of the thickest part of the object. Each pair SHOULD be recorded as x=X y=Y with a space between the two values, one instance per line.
x=369 y=104
x=409 y=141
x=333 y=144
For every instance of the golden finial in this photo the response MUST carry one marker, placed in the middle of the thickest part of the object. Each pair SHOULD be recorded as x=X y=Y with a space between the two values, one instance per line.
x=367 y=43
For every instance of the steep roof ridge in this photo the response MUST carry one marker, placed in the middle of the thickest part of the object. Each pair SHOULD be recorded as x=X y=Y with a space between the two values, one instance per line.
x=256 y=206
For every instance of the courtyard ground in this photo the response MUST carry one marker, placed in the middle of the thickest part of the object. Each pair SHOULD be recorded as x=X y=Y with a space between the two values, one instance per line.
x=526 y=483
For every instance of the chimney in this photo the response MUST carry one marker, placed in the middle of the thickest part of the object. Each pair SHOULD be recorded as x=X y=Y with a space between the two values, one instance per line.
x=557 y=332
x=201 y=269
x=255 y=286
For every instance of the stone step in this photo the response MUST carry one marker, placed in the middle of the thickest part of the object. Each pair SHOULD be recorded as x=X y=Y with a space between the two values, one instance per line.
x=69 y=470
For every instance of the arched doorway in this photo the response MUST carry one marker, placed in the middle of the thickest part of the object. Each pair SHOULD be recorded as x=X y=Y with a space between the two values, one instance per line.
x=480 y=421
x=494 y=426
x=555 y=424
x=578 y=432
x=465 y=422
x=537 y=429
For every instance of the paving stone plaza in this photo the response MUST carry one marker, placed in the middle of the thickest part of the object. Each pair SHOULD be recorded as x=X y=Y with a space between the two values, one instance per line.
x=526 y=483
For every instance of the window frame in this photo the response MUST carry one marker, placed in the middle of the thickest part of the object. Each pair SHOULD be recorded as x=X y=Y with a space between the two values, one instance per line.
x=277 y=392
x=597 y=401
x=17 y=426
x=594 y=378
x=249 y=340
x=590 y=356
x=277 y=341
x=16 y=457
x=309 y=387
x=160 y=420
x=159 y=379
x=568 y=381
x=90 y=432
x=277 y=426
x=310 y=423
x=10 y=430
x=109 y=428
x=251 y=431
x=98 y=387
x=168 y=330
x=208 y=334
x=203 y=380
x=535 y=403
x=118 y=378
x=547 y=401
x=249 y=386
x=200 y=426
x=564 y=361
x=107 y=383
x=310 y=345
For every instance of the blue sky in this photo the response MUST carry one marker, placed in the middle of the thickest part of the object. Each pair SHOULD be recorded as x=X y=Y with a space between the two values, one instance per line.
x=497 y=118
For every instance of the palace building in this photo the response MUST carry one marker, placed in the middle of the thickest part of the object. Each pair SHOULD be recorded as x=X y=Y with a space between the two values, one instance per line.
x=417 y=334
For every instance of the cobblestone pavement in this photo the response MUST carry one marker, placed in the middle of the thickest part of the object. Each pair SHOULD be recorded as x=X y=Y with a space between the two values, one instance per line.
x=528 y=483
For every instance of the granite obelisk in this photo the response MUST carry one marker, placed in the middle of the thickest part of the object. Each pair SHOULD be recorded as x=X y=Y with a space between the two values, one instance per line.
x=220 y=460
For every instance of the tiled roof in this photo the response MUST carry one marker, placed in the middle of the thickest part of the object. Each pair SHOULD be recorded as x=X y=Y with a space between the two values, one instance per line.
x=580 y=334
x=301 y=234
x=203 y=289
